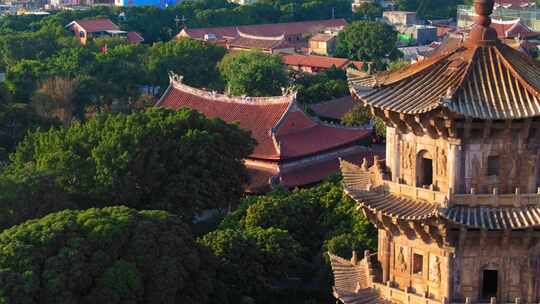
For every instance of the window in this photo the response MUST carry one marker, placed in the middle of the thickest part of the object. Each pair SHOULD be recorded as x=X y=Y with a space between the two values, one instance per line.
x=81 y=34
x=418 y=263
x=424 y=169
x=493 y=166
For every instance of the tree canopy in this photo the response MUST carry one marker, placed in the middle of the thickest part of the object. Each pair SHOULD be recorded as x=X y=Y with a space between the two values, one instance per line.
x=253 y=74
x=367 y=41
x=326 y=85
x=294 y=226
x=195 y=60
x=158 y=159
x=368 y=11
x=109 y=255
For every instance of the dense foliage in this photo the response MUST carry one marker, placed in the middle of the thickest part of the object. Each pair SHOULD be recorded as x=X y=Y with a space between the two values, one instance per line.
x=367 y=41
x=326 y=85
x=360 y=116
x=159 y=159
x=428 y=9
x=294 y=230
x=368 y=11
x=253 y=74
x=109 y=255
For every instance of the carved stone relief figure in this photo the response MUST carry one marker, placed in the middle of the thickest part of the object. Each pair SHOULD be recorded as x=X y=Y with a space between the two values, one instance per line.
x=442 y=162
x=434 y=268
x=514 y=166
x=402 y=263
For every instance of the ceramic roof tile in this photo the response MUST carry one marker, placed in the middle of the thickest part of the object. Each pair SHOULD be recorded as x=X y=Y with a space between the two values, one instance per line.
x=281 y=129
x=334 y=109
x=314 y=61
x=274 y=29
x=97 y=25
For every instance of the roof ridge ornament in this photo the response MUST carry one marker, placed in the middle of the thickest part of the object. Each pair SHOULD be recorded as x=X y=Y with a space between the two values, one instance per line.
x=481 y=32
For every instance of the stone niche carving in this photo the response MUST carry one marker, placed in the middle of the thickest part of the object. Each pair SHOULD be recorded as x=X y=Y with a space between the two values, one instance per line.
x=401 y=260
x=442 y=161
x=434 y=268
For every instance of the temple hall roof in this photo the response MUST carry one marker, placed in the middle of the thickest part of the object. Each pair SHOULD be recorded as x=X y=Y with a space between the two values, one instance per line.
x=478 y=77
x=243 y=40
x=274 y=29
x=282 y=130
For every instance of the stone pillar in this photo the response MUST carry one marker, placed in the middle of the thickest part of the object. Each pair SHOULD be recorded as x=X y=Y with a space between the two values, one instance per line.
x=447 y=293
x=455 y=175
x=385 y=256
x=393 y=152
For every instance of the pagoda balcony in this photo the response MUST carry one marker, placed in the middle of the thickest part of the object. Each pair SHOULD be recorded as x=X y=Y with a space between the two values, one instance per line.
x=398 y=206
x=472 y=199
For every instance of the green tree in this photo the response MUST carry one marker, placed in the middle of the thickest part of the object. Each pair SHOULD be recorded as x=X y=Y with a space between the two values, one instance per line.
x=367 y=41
x=109 y=255
x=253 y=74
x=22 y=78
x=253 y=261
x=121 y=72
x=71 y=62
x=195 y=60
x=368 y=11
x=323 y=86
x=16 y=120
x=320 y=218
x=360 y=116
x=158 y=159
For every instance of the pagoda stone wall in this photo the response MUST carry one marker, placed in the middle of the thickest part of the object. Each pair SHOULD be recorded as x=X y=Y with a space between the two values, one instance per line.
x=511 y=254
x=400 y=256
x=404 y=153
x=518 y=163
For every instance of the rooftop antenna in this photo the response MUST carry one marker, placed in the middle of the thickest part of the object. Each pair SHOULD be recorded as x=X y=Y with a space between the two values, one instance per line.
x=178 y=20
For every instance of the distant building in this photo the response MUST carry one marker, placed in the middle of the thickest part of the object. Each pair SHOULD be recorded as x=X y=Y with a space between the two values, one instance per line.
x=292 y=149
x=87 y=30
x=322 y=44
x=243 y=2
x=265 y=44
x=400 y=18
x=416 y=53
x=513 y=29
x=6 y=9
x=315 y=63
x=158 y=3
x=294 y=33
x=527 y=11
x=417 y=34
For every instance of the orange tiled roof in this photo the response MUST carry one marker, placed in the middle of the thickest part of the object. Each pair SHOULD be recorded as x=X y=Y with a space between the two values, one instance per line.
x=97 y=25
x=134 y=37
x=512 y=29
x=334 y=109
x=322 y=37
x=314 y=61
x=282 y=130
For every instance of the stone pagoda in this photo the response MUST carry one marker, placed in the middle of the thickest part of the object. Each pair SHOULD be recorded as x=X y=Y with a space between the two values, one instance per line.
x=457 y=201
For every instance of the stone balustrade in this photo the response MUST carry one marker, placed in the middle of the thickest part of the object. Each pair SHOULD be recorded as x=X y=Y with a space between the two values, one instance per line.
x=495 y=199
x=399 y=296
x=516 y=199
